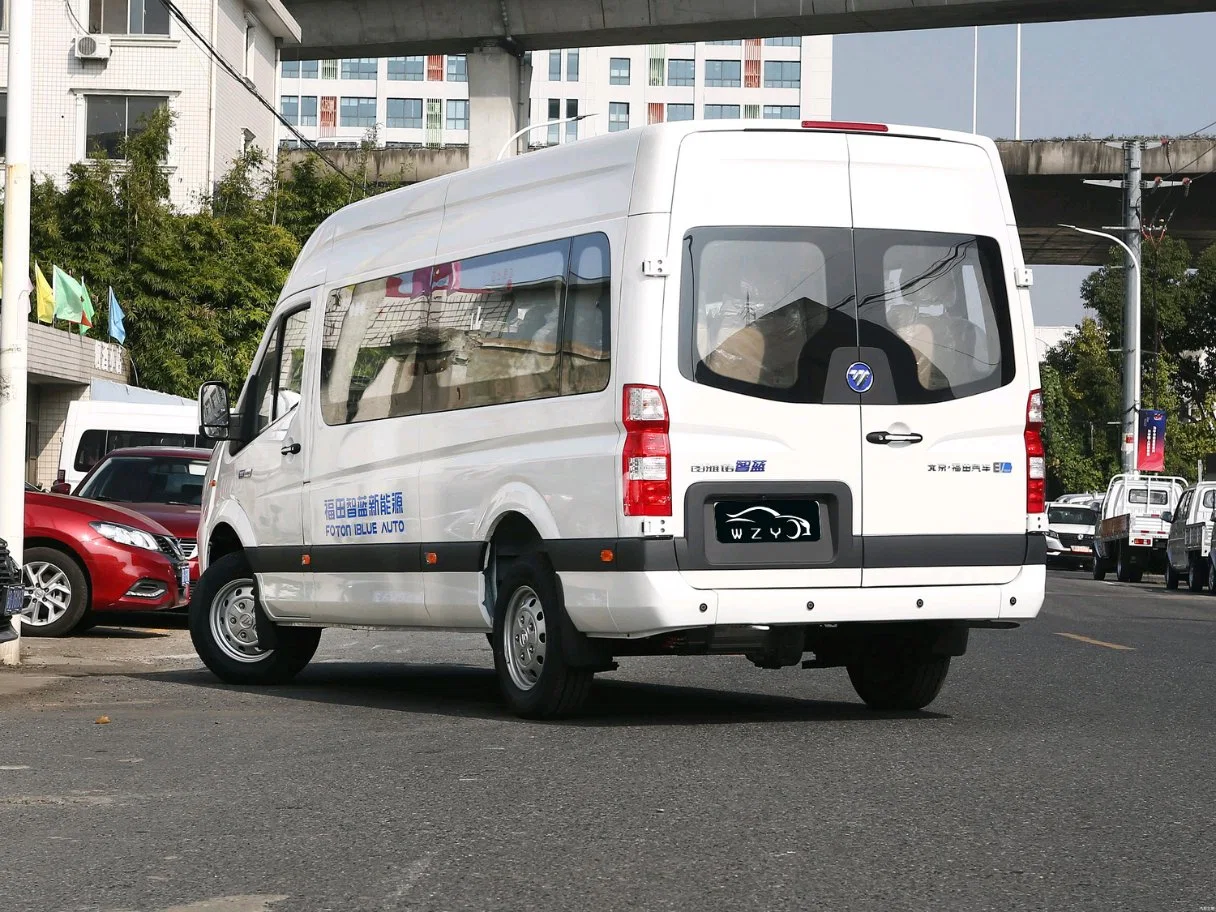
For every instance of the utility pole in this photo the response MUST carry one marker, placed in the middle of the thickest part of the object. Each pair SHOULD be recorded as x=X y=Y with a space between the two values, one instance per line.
x=1017 y=95
x=14 y=309
x=1133 y=185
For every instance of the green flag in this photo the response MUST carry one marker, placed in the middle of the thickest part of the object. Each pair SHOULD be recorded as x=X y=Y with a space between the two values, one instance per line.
x=69 y=296
x=86 y=320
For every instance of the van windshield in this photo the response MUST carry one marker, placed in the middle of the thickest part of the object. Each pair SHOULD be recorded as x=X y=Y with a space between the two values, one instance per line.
x=781 y=313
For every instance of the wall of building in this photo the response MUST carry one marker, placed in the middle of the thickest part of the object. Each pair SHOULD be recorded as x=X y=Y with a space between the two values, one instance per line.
x=171 y=66
x=237 y=110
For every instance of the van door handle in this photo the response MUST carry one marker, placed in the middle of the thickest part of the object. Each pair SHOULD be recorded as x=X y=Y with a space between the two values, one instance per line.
x=290 y=449
x=885 y=438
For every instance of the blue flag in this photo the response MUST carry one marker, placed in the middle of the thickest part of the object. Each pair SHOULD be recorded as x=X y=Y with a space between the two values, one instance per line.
x=118 y=332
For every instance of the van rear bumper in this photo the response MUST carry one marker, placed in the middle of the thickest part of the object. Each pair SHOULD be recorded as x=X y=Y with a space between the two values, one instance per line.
x=638 y=604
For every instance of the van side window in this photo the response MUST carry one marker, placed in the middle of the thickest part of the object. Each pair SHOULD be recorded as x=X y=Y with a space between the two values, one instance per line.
x=936 y=306
x=275 y=385
x=586 y=361
x=493 y=328
x=1209 y=499
x=90 y=450
x=369 y=349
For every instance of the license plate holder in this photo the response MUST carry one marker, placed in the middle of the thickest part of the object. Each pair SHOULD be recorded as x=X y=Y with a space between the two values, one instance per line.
x=12 y=599
x=767 y=522
x=183 y=575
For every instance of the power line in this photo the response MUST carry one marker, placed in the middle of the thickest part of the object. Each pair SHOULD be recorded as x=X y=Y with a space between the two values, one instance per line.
x=231 y=70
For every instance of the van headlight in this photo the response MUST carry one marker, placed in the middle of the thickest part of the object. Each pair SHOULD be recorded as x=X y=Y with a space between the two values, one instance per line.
x=126 y=535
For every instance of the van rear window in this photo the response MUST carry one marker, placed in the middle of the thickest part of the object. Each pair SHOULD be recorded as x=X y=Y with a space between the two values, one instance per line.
x=767 y=311
x=1142 y=495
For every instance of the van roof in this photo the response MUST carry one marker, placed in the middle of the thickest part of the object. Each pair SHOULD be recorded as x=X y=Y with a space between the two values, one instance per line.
x=604 y=167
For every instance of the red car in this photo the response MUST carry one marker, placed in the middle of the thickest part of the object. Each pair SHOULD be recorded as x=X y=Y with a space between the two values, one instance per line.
x=82 y=558
x=163 y=483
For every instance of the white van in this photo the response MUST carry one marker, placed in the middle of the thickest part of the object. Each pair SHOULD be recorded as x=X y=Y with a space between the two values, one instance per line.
x=93 y=429
x=691 y=388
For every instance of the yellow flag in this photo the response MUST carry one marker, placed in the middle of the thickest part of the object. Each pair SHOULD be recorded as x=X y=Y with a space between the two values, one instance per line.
x=46 y=298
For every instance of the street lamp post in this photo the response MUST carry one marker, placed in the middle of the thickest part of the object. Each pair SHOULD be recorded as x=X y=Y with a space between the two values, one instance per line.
x=528 y=129
x=1131 y=354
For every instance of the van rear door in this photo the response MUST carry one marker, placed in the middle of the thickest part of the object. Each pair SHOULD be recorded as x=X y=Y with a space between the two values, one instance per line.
x=941 y=329
x=765 y=432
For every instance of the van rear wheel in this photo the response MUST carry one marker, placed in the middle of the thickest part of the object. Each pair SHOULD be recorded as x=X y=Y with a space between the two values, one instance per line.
x=1171 y=576
x=1124 y=568
x=224 y=629
x=1099 y=567
x=1196 y=574
x=536 y=680
x=888 y=679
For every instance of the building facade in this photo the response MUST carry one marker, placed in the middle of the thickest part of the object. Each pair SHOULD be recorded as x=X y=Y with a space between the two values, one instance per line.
x=102 y=65
x=423 y=101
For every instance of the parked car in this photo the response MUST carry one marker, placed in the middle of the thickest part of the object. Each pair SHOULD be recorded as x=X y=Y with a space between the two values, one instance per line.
x=1190 y=538
x=1070 y=534
x=163 y=483
x=83 y=558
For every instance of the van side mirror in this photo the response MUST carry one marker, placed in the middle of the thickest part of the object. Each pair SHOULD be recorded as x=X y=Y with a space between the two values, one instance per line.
x=214 y=411
x=1167 y=516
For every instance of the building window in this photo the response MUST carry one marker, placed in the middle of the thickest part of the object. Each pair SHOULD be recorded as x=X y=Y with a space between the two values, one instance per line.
x=128 y=17
x=434 y=121
x=721 y=112
x=782 y=74
x=723 y=73
x=618 y=116
x=405 y=113
x=555 y=112
x=618 y=71
x=358 y=112
x=359 y=68
x=555 y=66
x=250 y=49
x=458 y=68
x=783 y=42
x=291 y=69
x=434 y=68
x=112 y=119
x=308 y=111
x=3 y=122
x=571 y=125
x=751 y=112
x=329 y=69
x=458 y=114
x=725 y=43
x=782 y=112
x=572 y=65
x=310 y=69
x=657 y=55
x=289 y=107
x=654 y=112
x=680 y=112
x=681 y=72
x=411 y=69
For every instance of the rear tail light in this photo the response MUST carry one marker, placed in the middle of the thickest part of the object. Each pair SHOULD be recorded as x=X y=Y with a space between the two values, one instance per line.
x=1036 y=464
x=844 y=126
x=646 y=458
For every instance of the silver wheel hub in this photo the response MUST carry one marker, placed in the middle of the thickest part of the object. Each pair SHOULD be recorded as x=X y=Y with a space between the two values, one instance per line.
x=48 y=594
x=525 y=638
x=234 y=624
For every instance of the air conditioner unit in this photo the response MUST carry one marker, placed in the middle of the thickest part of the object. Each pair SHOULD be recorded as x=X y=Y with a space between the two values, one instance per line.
x=93 y=47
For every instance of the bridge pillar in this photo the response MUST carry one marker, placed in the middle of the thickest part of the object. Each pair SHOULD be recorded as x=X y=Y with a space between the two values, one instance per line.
x=499 y=84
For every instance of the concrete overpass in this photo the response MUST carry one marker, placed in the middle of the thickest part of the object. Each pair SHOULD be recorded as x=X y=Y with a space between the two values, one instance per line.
x=496 y=33
x=372 y=28
x=1045 y=182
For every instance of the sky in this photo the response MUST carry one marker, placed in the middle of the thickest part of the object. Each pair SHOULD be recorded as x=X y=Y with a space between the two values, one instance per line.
x=1074 y=81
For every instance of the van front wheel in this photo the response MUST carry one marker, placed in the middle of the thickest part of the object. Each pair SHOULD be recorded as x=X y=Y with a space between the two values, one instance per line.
x=224 y=629
x=536 y=680
x=890 y=680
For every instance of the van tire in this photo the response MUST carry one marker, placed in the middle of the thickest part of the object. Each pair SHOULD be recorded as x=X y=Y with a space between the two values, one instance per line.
x=1099 y=567
x=1171 y=576
x=53 y=563
x=1196 y=574
x=530 y=598
x=889 y=680
x=230 y=582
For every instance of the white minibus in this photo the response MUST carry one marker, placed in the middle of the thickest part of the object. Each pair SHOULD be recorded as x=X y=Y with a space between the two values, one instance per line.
x=694 y=388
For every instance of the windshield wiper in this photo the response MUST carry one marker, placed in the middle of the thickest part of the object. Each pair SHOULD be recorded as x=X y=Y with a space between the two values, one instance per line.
x=181 y=503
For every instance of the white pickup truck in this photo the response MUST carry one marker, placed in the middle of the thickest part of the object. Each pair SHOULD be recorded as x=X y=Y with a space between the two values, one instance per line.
x=1132 y=532
x=1189 y=548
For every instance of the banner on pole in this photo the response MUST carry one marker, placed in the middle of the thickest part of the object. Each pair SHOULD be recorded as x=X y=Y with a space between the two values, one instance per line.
x=1151 y=450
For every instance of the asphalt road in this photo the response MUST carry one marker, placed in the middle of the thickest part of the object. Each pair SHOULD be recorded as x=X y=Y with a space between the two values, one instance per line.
x=1054 y=772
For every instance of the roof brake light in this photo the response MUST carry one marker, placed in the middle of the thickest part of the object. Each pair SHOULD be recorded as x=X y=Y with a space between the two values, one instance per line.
x=845 y=126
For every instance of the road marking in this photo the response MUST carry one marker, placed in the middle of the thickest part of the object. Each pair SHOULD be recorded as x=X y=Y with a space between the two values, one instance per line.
x=1085 y=639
